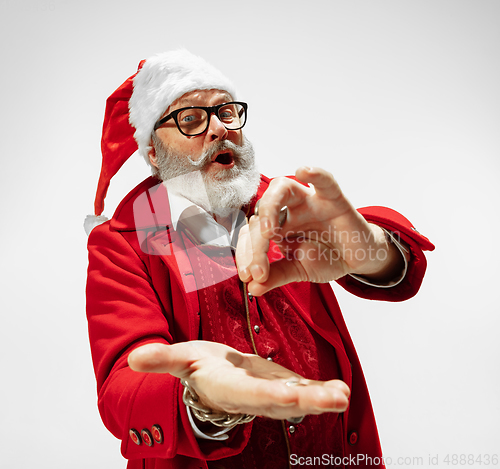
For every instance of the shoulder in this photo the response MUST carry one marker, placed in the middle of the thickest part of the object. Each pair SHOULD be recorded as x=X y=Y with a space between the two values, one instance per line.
x=118 y=236
x=145 y=206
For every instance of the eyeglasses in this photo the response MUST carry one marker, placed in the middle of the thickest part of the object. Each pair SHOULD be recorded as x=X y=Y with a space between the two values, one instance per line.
x=195 y=120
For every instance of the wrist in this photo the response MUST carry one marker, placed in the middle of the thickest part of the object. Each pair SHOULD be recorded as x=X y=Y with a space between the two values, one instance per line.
x=206 y=414
x=385 y=260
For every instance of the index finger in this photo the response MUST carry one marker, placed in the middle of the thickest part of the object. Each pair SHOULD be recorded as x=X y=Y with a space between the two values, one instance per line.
x=282 y=192
x=325 y=185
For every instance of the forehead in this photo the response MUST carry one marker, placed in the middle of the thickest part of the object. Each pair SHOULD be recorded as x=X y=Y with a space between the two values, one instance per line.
x=201 y=98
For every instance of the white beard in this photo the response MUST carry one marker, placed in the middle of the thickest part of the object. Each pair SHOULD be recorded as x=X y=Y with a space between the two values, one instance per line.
x=218 y=194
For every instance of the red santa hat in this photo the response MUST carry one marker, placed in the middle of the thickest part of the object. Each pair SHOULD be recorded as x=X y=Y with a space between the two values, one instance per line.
x=134 y=108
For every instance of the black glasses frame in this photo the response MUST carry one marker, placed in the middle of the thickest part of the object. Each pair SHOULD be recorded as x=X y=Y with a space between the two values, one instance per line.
x=208 y=109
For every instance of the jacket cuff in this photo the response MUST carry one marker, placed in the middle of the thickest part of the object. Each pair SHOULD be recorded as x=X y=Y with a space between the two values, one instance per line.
x=402 y=230
x=405 y=252
x=169 y=415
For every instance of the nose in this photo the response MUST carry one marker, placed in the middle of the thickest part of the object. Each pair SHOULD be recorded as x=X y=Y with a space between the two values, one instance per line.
x=216 y=129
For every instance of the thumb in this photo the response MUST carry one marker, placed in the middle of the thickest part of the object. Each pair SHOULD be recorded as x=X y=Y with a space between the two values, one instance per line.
x=161 y=358
x=281 y=273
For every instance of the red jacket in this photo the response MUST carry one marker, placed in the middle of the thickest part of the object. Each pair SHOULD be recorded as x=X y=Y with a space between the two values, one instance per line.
x=138 y=291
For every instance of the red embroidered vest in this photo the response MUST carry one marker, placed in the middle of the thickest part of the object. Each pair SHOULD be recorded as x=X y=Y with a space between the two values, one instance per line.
x=280 y=334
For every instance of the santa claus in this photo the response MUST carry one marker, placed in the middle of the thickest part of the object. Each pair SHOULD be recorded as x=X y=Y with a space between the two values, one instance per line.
x=216 y=339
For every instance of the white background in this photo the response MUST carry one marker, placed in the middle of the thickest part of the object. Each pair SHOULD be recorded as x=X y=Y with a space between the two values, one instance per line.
x=410 y=94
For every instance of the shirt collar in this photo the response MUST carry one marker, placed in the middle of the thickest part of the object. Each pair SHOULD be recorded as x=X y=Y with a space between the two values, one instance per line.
x=198 y=223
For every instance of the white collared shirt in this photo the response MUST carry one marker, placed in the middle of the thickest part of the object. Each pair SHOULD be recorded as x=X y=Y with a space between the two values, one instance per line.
x=200 y=224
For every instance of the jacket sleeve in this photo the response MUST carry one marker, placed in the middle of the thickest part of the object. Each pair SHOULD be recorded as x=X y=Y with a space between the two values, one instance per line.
x=124 y=312
x=403 y=230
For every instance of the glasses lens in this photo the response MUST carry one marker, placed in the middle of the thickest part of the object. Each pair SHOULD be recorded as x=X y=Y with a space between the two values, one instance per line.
x=233 y=116
x=192 y=121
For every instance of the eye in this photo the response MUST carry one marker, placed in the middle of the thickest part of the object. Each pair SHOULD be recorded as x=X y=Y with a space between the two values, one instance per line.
x=226 y=113
x=191 y=117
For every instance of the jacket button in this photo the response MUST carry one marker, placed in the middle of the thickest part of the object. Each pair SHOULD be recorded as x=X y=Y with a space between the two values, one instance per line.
x=250 y=297
x=291 y=429
x=146 y=437
x=256 y=329
x=135 y=436
x=157 y=434
x=353 y=438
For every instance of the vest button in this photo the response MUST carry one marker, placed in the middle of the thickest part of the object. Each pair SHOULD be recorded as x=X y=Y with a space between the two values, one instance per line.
x=256 y=329
x=270 y=359
x=250 y=296
x=291 y=429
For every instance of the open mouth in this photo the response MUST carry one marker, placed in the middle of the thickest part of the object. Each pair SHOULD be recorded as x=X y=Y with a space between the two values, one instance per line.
x=224 y=159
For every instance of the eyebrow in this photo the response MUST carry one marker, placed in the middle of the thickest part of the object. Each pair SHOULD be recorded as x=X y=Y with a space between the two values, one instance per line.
x=185 y=101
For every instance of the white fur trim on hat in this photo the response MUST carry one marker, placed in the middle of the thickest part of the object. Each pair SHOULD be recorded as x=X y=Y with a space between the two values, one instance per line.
x=91 y=221
x=163 y=79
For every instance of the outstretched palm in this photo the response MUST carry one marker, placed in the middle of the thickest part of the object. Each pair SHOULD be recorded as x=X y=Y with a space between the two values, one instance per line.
x=230 y=381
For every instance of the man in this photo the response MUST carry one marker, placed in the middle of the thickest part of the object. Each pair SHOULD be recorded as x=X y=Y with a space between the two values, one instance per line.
x=191 y=338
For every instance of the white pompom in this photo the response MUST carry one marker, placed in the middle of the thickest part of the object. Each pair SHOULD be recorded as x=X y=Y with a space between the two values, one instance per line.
x=91 y=221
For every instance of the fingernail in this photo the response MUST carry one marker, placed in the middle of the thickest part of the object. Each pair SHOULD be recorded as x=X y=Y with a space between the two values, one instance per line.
x=257 y=272
x=265 y=224
x=244 y=272
x=289 y=404
x=327 y=409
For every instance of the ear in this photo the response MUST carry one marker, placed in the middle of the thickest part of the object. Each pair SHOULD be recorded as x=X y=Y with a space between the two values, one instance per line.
x=152 y=155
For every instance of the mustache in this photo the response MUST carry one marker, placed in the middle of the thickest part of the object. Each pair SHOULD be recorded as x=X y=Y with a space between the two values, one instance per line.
x=206 y=157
